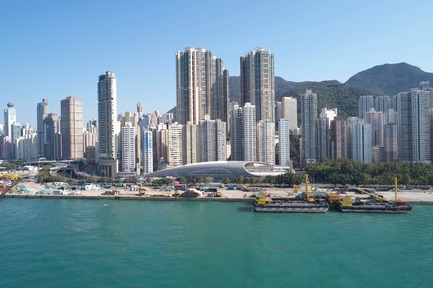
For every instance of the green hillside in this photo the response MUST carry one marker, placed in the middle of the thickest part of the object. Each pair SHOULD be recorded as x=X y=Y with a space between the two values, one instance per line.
x=390 y=79
x=330 y=94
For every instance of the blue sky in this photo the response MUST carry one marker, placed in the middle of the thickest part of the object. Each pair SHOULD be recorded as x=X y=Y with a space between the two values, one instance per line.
x=54 y=49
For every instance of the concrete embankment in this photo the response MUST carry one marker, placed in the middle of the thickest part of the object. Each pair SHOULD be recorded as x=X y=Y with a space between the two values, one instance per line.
x=144 y=198
x=410 y=196
x=125 y=197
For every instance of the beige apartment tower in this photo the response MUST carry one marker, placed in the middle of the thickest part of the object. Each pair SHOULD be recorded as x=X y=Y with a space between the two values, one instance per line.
x=71 y=127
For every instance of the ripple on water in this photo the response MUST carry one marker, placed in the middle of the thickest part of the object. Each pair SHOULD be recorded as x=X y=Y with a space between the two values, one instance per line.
x=79 y=243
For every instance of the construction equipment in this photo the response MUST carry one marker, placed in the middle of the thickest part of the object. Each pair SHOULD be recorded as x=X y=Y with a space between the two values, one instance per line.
x=142 y=191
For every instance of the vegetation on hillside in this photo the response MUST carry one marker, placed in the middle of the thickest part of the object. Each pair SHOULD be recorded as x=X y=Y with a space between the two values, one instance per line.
x=390 y=79
x=330 y=94
x=344 y=171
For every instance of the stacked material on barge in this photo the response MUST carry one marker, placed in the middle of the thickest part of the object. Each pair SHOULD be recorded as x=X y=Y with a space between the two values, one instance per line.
x=305 y=204
x=374 y=204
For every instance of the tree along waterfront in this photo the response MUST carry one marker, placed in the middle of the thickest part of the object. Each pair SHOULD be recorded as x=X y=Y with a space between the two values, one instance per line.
x=341 y=171
x=344 y=171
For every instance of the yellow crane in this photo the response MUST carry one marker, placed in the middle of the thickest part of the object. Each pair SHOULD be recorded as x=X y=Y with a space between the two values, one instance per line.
x=308 y=190
x=374 y=196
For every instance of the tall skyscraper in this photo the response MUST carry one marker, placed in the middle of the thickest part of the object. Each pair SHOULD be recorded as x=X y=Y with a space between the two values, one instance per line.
x=258 y=82
x=175 y=145
x=323 y=133
x=53 y=139
x=147 y=147
x=359 y=140
x=42 y=112
x=308 y=127
x=161 y=146
x=72 y=128
x=383 y=103
x=266 y=141
x=377 y=121
x=391 y=142
x=10 y=115
x=284 y=129
x=129 y=133
x=139 y=108
x=212 y=140
x=338 y=138
x=201 y=86
x=289 y=111
x=190 y=142
x=133 y=119
x=15 y=131
x=414 y=125
x=108 y=126
x=236 y=132
x=365 y=103
x=219 y=106
x=323 y=138
x=249 y=132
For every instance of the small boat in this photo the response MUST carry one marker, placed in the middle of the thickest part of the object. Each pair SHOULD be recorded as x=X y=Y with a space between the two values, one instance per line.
x=305 y=204
x=375 y=204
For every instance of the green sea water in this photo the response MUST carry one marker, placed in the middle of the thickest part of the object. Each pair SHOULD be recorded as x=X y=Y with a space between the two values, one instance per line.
x=114 y=243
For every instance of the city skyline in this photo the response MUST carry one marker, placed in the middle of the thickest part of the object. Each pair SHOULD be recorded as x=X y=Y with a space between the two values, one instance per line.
x=49 y=57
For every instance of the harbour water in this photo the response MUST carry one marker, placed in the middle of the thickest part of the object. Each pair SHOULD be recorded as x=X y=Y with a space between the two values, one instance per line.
x=114 y=243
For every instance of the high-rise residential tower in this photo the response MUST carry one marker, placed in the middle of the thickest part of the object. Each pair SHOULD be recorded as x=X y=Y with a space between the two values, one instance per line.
x=414 y=125
x=338 y=138
x=289 y=111
x=175 y=145
x=323 y=133
x=212 y=140
x=284 y=129
x=108 y=126
x=236 y=132
x=53 y=139
x=249 y=131
x=266 y=141
x=258 y=82
x=42 y=112
x=129 y=133
x=71 y=127
x=391 y=142
x=147 y=147
x=308 y=127
x=383 y=103
x=190 y=142
x=201 y=86
x=365 y=103
x=377 y=121
x=359 y=140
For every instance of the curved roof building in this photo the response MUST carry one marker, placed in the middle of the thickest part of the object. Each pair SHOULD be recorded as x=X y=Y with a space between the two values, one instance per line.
x=221 y=170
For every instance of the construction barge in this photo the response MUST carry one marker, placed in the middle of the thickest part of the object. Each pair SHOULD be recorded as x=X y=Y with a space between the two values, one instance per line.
x=374 y=204
x=302 y=203
x=308 y=203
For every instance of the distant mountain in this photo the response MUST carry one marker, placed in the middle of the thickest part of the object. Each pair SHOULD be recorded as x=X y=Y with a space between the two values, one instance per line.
x=390 y=79
x=387 y=79
x=330 y=94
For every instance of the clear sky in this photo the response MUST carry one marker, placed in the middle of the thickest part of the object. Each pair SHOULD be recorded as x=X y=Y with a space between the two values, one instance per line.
x=53 y=49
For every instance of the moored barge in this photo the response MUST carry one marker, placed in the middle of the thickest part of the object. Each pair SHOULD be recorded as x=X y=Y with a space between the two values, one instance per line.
x=305 y=204
x=375 y=204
